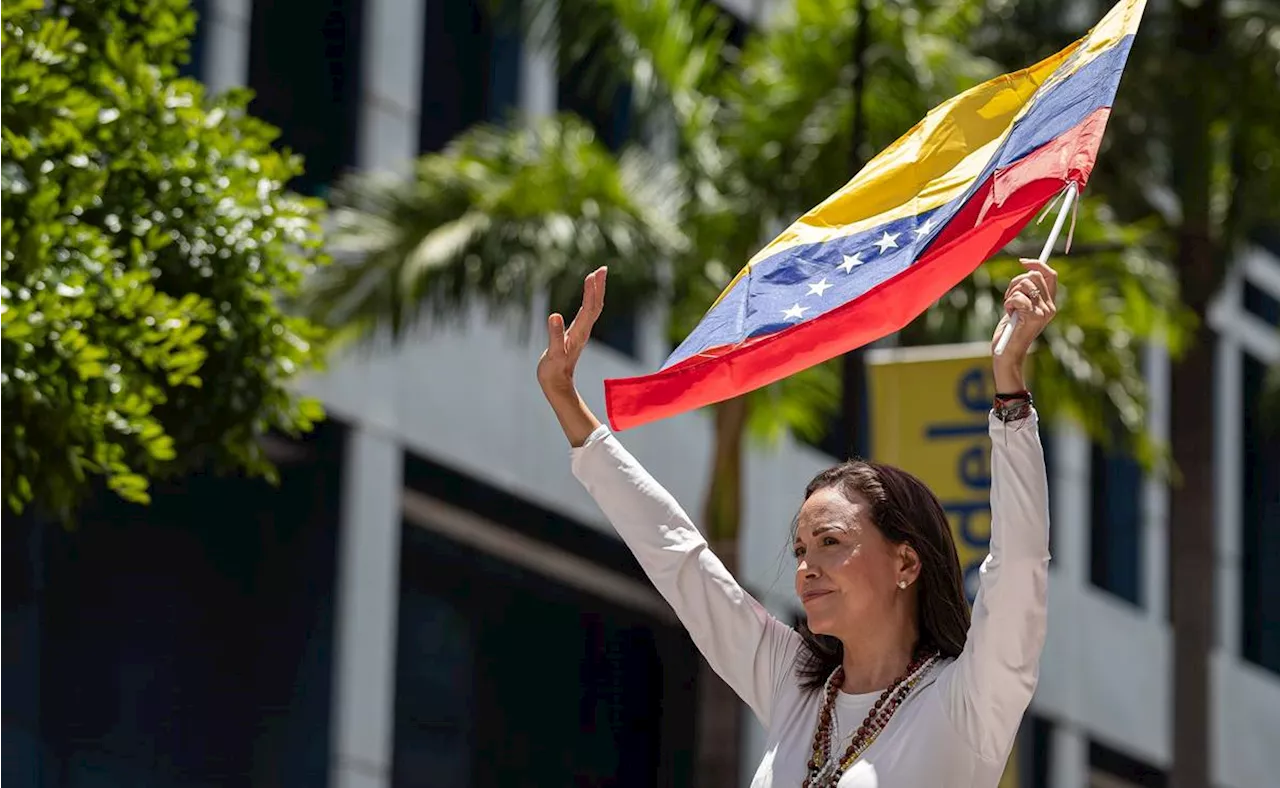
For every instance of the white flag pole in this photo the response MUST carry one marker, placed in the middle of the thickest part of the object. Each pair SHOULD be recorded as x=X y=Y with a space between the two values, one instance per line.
x=1044 y=258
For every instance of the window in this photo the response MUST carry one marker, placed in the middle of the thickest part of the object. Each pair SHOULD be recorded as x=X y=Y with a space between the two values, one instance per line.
x=304 y=67
x=611 y=704
x=614 y=701
x=434 y=663
x=1111 y=769
x=584 y=91
x=194 y=67
x=1260 y=512
x=1035 y=750
x=1261 y=304
x=1115 y=522
x=470 y=68
x=188 y=642
x=1260 y=495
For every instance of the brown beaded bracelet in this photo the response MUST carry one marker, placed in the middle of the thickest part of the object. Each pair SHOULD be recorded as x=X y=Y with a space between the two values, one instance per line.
x=1014 y=406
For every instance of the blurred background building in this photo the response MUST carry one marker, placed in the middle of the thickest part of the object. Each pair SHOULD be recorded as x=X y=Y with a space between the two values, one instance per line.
x=430 y=599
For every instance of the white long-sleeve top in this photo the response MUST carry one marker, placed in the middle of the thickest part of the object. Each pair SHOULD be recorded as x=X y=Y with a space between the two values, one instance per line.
x=957 y=727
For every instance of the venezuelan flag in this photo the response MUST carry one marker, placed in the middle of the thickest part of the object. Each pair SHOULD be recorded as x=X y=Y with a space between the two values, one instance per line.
x=911 y=225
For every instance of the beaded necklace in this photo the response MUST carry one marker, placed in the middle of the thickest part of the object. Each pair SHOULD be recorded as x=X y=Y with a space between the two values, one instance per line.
x=824 y=771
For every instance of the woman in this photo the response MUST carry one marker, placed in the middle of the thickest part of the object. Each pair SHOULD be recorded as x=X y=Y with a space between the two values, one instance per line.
x=889 y=684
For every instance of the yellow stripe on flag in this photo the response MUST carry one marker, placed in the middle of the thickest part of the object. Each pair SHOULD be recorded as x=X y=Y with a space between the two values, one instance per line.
x=930 y=165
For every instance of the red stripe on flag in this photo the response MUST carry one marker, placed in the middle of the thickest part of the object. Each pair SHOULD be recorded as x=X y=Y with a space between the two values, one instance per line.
x=1009 y=199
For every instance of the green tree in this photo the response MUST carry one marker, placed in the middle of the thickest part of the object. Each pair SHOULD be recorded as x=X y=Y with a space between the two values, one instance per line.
x=147 y=244
x=751 y=137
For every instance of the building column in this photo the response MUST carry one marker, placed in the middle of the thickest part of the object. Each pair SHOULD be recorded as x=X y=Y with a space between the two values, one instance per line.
x=1069 y=525
x=226 y=59
x=538 y=83
x=1228 y=397
x=367 y=612
x=1068 y=758
x=1070 y=503
x=1227 y=440
x=1155 y=524
x=391 y=86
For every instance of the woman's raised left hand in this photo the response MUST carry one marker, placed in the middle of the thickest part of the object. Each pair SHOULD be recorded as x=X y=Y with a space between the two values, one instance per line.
x=1031 y=296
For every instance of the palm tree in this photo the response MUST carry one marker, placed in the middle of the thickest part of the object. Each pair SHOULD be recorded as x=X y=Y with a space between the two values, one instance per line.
x=505 y=214
x=757 y=136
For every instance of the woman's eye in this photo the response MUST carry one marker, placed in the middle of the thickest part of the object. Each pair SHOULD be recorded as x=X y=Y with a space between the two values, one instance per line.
x=830 y=540
x=798 y=552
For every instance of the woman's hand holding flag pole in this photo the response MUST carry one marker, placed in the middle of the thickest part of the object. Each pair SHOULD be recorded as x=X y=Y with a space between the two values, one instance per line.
x=1067 y=203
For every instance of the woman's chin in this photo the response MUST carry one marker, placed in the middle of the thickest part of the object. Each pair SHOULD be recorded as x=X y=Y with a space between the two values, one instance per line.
x=818 y=626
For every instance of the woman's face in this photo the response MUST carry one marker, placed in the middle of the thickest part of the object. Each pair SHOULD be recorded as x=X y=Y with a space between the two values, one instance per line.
x=846 y=570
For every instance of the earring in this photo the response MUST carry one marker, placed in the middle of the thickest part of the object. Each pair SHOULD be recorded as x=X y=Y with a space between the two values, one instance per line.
x=902 y=584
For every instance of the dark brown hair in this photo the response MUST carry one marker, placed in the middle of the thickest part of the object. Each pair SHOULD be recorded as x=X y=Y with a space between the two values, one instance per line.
x=906 y=512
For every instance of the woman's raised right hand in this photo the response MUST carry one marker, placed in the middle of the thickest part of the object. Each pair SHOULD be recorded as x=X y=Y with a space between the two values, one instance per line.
x=564 y=348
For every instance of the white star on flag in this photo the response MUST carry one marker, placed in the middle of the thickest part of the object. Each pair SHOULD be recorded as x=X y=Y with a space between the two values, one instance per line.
x=850 y=262
x=924 y=228
x=796 y=312
x=887 y=242
x=819 y=288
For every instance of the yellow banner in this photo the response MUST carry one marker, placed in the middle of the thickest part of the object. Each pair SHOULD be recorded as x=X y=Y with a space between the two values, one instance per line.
x=928 y=415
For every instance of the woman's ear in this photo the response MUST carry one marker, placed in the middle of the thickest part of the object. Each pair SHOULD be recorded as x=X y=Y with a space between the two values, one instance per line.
x=908 y=564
